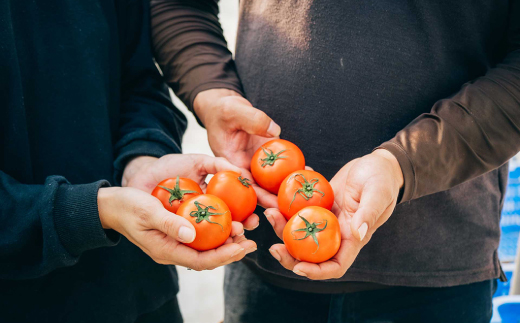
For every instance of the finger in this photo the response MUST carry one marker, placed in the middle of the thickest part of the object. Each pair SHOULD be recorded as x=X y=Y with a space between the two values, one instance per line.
x=277 y=221
x=172 y=225
x=280 y=253
x=237 y=229
x=308 y=168
x=254 y=121
x=375 y=199
x=252 y=222
x=248 y=245
x=212 y=165
x=333 y=268
x=265 y=199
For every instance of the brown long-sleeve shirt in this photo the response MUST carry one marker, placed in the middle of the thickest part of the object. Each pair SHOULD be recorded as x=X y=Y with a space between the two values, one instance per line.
x=342 y=78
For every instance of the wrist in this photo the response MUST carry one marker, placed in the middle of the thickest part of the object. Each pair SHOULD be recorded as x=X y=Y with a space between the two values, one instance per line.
x=207 y=98
x=105 y=201
x=397 y=171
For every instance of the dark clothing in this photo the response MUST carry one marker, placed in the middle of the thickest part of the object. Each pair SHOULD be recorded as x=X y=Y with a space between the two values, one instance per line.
x=341 y=78
x=77 y=79
x=249 y=300
x=168 y=313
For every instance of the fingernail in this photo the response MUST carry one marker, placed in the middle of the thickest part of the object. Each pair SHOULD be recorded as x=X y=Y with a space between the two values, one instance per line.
x=236 y=253
x=250 y=250
x=275 y=254
x=269 y=218
x=186 y=235
x=240 y=234
x=299 y=273
x=274 y=129
x=362 y=231
x=256 y=226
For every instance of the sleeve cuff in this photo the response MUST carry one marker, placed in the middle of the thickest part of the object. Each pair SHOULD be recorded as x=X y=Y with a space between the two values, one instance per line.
x=402 y=157
x=76 y=218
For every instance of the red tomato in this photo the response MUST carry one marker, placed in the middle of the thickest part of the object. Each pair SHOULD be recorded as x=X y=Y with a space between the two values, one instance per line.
x=236 y=192
x=211 y=218
x=173 y=192
x=304 y=188
x=312 y=235
x=275 y=160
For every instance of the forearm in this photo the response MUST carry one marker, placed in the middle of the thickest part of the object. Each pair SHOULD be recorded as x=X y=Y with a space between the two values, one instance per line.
x=45 y=227
x=474 y=132
x=191 y=49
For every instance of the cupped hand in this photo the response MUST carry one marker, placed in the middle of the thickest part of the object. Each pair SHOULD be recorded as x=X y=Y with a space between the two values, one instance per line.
x=143 y=220
x=145 y=173
x=366 y=192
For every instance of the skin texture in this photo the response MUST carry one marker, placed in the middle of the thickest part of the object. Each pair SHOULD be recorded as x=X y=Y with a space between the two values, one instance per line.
x=292 y=195
x=269 y=174
x=235 y=131
x=241 y=199
x=366 y=191
x=185 y=184
x=328 y=235
x=209 y=235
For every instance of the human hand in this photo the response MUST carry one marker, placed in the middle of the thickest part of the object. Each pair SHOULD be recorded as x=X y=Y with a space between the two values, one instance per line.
x=145 y=173
x=235 y=130
x=366 y=192
x=143 y=220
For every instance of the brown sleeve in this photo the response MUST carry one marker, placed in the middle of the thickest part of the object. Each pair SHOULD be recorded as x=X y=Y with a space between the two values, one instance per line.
x=467 y=135
x=191 y=49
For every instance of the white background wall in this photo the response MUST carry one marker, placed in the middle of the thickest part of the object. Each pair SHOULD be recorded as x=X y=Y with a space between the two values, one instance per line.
x=201 y=297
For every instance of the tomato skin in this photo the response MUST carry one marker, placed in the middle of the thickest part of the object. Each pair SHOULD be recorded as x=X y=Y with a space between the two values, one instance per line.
x=184 y=184
x=241 y=199
x=306 y=250
x=208 y=235
x=270 y=177
x=289 y=191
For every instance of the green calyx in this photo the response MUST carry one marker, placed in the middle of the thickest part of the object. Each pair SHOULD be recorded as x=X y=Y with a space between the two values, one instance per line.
x=307 y=190
x=244 y=181
x=176 y=193
x=271 y=157
x=310 y=230
x=203 y=213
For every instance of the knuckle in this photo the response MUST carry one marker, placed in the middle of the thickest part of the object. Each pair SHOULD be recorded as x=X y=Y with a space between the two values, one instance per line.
x=260 y=120
x=168 y=225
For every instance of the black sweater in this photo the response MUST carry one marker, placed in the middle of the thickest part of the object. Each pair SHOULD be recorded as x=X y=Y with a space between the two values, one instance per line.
x=79 y=96
x=343 y=77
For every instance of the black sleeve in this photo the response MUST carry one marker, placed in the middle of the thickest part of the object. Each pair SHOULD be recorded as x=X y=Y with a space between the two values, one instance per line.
x=45 y=227
x=469 y=134
x=191 y=49
x=150 y=124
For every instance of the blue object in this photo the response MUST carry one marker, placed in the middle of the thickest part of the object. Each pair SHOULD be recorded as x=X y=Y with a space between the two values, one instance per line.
x=506 y=309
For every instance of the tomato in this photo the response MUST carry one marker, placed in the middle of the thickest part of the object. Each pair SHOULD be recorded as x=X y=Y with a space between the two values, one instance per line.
x=304 y=188
x=236 y=192
x=173 y=192
x=211 y=218
x=275 y=160
x=312 y=235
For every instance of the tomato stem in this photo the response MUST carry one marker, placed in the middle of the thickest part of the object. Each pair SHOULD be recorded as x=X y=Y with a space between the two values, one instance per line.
x=271 y=157
x=203 y=213
x=310 y=230
x=176 y=193
x=244 y=181
x=307 y=190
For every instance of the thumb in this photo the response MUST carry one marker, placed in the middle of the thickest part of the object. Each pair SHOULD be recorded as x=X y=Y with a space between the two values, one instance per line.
x=255 y=122
x=173 y=225
x=375 y=199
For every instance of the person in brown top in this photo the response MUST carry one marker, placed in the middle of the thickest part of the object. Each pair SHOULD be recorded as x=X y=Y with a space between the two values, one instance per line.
x=342 y=79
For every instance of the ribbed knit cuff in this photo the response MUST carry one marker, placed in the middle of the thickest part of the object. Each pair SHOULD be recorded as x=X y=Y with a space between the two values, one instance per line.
x=404 y=161
x=76 y=218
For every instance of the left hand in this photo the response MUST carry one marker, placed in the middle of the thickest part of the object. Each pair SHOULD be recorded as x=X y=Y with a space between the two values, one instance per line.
x=146 y=172
x=366 y=192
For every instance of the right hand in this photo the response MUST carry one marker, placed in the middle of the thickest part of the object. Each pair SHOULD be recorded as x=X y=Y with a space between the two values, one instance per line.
x=236 y=130
x=143 y=220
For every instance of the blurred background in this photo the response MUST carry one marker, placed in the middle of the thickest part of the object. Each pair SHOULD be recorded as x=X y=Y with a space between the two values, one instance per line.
x=206 y=287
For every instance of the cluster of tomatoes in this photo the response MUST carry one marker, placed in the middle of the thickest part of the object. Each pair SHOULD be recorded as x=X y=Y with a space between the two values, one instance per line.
x=305 y=198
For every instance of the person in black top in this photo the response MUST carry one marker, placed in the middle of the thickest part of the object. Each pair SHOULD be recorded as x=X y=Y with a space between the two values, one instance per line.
x=83 y=106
